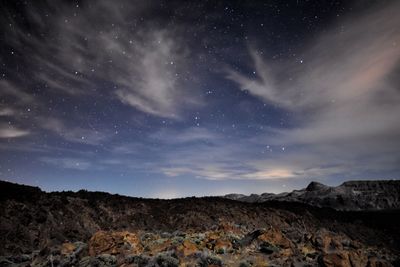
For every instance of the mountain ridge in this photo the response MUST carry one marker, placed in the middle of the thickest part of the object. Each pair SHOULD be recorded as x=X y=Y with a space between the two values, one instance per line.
x=350 y=195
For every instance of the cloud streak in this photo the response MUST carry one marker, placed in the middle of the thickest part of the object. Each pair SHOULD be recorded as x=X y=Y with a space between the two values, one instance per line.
x=343 y=93
x=68 y=163
x=142 y=65
x=9 y=131
x=11 y=91
x=73 y=134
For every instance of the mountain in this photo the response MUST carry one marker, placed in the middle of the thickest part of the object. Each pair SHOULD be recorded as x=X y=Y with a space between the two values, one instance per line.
x=100 y=229
x=351 y=195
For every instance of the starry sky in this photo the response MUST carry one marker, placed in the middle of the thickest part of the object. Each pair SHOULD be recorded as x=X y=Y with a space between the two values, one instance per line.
x=191 y=98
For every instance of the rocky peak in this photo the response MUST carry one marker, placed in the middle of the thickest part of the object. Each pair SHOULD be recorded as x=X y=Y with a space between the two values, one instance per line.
x=316 y=186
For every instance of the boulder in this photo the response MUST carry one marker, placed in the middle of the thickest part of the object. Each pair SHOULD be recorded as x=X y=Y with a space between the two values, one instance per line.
x=187 y=248
x=375 y=262
x=339 y=259
x=222 y=246
x=276 y=238
x=157 y=246
x=67 y=248
x=114 y=243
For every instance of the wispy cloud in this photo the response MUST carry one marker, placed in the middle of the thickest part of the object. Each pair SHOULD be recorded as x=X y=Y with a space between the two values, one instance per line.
x=73 y=133
x=9 y=131
x=142 y=65
x=187 y=135
x=14 y=92
x=344 y=96
x=68 y=163
x=351 y=61
x=6 y=111
x=153 y=83
x=204 y=154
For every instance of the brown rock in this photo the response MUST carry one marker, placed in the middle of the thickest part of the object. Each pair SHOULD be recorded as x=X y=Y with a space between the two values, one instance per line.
x=260 y=262
x=114 y=243
x=67 y=248
x=187 y=248
x=307 y=250
x=100 y=242
x=275 y=237
x=213 y=235
x=157 y=247
x=358 y=258
x=340 y=259
x=228 y=227
x=328 y=242
x=211 y=238
x=374 y=262
x=222 y=246
x=286 y=253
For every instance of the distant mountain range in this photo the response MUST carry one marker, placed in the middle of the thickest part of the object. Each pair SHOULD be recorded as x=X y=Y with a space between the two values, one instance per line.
x=352 y=195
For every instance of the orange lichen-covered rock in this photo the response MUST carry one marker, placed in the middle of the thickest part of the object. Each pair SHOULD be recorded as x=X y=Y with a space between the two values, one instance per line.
x=340 y=259
x=114 y=243
x=260 y=262
x=100 y=242
x=358 y=258
x=211 y=238
x=187 y=248
x=222 y=246
x=307 y=250
x=160 y=246
x=328 y=242
x=67 y=248
x=374 y=262
x=213 y=235
x=276 y=238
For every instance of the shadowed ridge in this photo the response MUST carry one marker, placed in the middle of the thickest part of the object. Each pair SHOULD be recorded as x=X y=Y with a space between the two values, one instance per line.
x=316 y=186
x=20 y=192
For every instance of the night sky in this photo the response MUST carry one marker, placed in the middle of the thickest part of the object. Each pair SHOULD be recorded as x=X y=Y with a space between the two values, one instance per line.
x=180 y=98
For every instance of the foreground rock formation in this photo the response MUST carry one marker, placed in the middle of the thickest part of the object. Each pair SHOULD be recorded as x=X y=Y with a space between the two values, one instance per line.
x=99 y=229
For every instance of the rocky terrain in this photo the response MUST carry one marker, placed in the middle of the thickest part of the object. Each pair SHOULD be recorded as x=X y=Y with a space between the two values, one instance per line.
x=100 y=229
x=352 y=195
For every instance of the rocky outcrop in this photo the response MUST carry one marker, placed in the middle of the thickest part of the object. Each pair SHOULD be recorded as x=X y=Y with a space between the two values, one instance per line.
x=113 y=243
x=352 y=195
